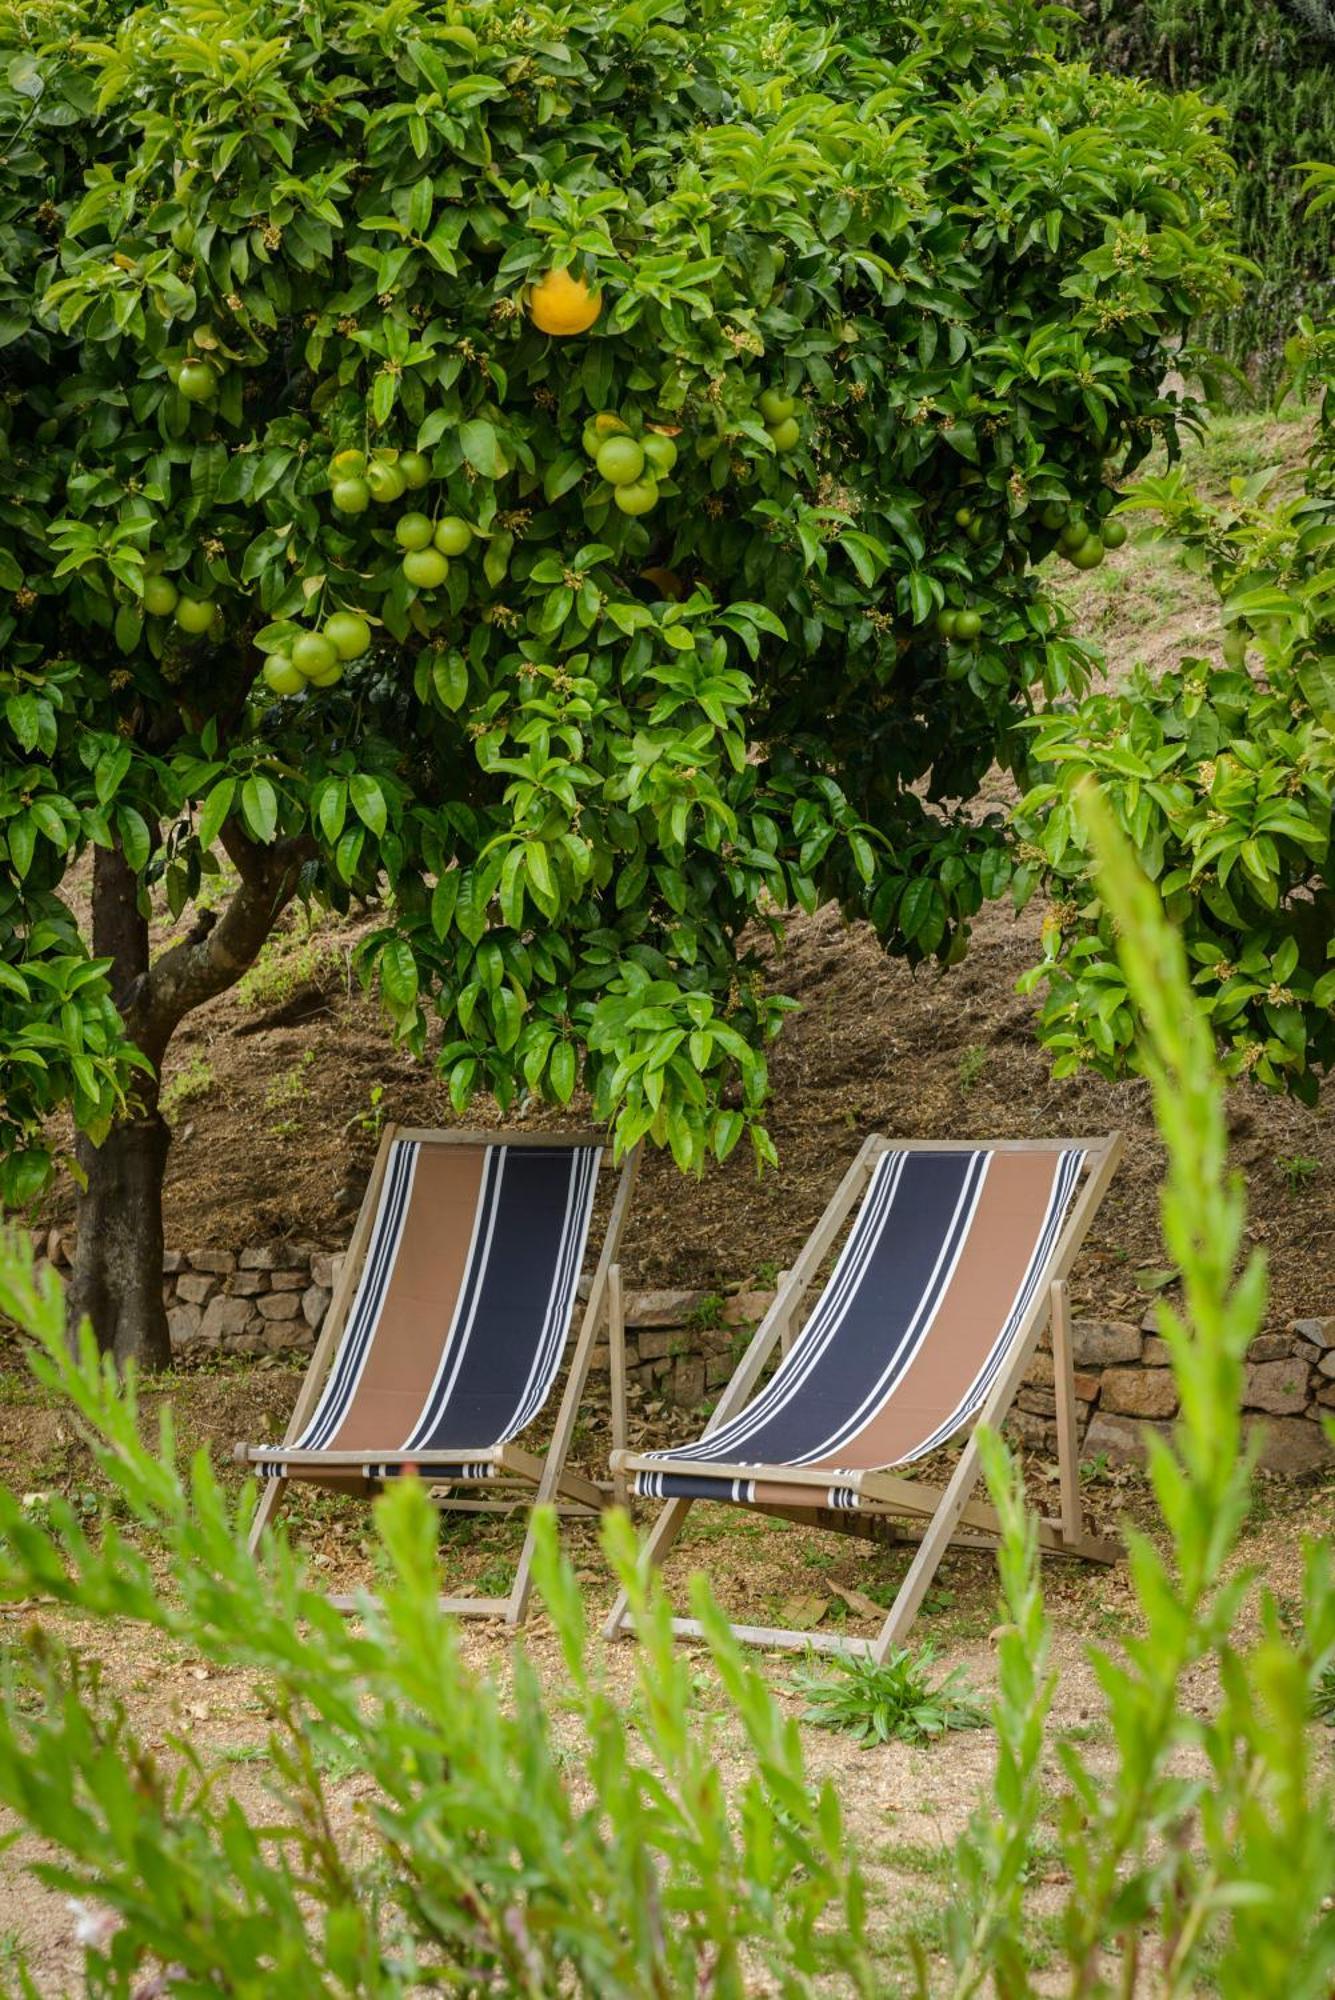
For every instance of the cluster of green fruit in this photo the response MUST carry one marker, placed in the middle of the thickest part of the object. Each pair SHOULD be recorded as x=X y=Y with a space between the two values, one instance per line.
x=966 y=626
x=356 y=480
x=1080 y=543
x=975 y=525
x=316 y=659
x=780 y=414
x=631 y=465
x=193 y=615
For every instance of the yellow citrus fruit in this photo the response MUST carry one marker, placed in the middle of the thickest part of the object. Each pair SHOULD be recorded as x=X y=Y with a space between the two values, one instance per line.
x=562 y=304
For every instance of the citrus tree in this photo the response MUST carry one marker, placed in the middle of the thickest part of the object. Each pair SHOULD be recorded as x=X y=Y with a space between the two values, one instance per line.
x=570 y=475
x=1224 y=779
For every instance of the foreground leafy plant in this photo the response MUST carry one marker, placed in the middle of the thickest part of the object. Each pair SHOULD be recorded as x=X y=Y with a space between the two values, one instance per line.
x=896 y=1699
x=499 y=1842
x=1207 y=1848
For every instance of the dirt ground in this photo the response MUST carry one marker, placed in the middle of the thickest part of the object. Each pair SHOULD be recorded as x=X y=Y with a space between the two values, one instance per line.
x=276 y=1094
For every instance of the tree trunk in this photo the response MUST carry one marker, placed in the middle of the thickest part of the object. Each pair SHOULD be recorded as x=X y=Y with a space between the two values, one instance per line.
x=117 y=1281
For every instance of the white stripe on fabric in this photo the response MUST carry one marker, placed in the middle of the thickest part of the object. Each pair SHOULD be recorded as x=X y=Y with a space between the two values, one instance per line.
x=465 y=1305
x=364 y=1316
x=565 y=1278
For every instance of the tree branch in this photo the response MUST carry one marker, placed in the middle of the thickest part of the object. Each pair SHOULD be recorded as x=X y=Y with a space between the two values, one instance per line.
x=207 y=962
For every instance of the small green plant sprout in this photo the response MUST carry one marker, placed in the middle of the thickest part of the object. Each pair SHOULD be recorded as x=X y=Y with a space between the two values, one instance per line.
x=290 y=1086
x=897 y=1700
x=1323 y=1700
x=1297 y=1170
x=1200 y=1850
x=498 y=1849
x=707 y=1312
x=372 y=1120
x=972 y=1064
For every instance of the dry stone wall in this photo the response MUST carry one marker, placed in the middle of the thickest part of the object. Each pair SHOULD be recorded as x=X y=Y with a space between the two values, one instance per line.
x=270 y=1299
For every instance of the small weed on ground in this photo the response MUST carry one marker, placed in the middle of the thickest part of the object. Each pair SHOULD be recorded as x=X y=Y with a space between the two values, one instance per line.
x=896 y=1700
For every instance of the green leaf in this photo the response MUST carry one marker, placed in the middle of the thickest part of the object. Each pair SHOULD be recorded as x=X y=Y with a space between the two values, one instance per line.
x=481 y=446
x=214 y=811
x=368 y=802
x=259 y=807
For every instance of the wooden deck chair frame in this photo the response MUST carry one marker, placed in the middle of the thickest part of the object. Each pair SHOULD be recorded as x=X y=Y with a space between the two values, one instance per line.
x=894 y=1508
x=524 y=1478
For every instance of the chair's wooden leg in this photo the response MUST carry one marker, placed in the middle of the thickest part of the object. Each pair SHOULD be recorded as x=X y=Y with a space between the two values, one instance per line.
x=616 y=1348
x=661 y=1537
x=1063 y=1373
x=270 y=1500
x=936 y=1540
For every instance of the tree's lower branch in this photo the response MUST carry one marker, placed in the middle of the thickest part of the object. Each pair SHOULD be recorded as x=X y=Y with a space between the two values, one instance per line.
x=206 y=962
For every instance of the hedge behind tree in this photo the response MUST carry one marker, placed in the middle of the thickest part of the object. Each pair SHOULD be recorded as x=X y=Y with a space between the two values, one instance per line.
x=1271 y=64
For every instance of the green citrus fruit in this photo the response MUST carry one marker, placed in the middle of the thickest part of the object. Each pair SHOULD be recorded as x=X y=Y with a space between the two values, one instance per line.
x=384 y=481
x=963 y=516
x=351 y=496
x=660 y=453
x=1113 y=534
x=1089 y=554
x=412 y=531
x=620 y=460
x=1053 y=516
x=329 y=678
x=977 y=530
x=348 y=464
x=453 y=537
x=1075 y=533
x=776 y=408
x=785 y=434
x=280 y=676
x=426 y=569
x=946 y=624
x=637 y=496
x=195 y=614
x=160 y=595
x=197 y=382
x=348 y=634
x=312 y=653
x=415 y=468
x=968 y=625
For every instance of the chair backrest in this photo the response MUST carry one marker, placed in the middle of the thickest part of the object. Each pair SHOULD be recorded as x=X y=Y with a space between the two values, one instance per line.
x=456 y=1330
x=944 y=1257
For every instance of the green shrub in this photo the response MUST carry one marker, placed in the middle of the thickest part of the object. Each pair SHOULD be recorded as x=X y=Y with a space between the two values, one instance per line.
x=505 y=1842
x=1271 y=64
x=881 y=1701
x=1201 y=1855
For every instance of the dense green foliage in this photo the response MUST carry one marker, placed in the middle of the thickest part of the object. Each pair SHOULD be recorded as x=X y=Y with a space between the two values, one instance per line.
x=234 y=243
x=499 y=1846
x=1223 y=779
x=1200 y=1853
x=1271 y=64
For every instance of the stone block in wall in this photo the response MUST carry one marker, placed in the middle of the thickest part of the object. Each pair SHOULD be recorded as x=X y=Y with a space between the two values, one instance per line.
x=652 y=1346
x=662 y=1308
x=1271 y=1347
x=1292 y=1445
x=244 y=1284
x=314 y=1305
x=172 y=1262
x=183 y=1324
x=1321 y=1332
x=288 y=1281
x=279 y=1306
x=600 y=1361
x=247 y=1343
x=1326 y=1396
x=1038 y=1432
x=1086 y=1386
x=1100 y=1343
x=1155 y=1354
x=1138 y=1392
x=718 y=1371
x=284 y=1335
x=747 y=1308
x=685 y=1386
x=1326 y=1365
x=1121 y=1440
x=196 y=1288
x=1279 y=1387
x=225 y=1320
x=216 y=1262
x=324 y=1270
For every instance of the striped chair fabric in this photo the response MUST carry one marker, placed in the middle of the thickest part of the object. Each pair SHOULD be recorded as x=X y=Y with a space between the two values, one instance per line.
x=455 y=1334
x=945 y=1256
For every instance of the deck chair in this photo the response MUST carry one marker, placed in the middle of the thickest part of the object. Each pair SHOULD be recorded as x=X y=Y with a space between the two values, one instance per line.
x=928 y=1322
x=446 y=1330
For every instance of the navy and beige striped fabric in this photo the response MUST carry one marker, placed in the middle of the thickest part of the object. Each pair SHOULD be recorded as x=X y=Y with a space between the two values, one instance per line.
x=946 y=1255
x=460 y=1318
